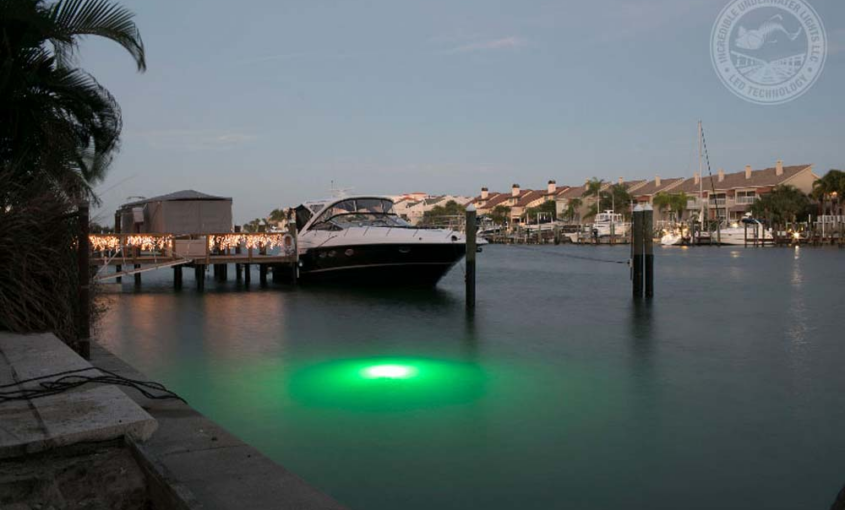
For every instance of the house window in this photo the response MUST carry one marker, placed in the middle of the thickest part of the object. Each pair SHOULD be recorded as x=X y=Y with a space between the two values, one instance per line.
x=746 y=197
x=717 y=199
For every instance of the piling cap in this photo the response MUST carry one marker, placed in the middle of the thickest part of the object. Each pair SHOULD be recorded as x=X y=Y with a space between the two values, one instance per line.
x=471 y=208
x=638 y=208
x=647 y=207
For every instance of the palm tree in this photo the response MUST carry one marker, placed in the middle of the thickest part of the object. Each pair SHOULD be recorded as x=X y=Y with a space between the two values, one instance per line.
x=500 y=214
x=593 y=189
x=277 y=216
x=832 y=186
x=59 y=128
x=784 y=203
x=572 y=206
x=618 y=197
x=672 y=202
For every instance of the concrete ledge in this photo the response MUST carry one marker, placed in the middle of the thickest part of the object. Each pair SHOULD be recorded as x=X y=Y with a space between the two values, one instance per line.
x=89 y=413
x=200 y=463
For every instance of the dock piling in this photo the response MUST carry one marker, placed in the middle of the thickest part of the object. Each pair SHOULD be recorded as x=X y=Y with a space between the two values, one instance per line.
x=637 y=247
x=648 y=240
x=177 y=277
x=118 y=267
x=199 y=274
x=471 y=232
x=294 y=268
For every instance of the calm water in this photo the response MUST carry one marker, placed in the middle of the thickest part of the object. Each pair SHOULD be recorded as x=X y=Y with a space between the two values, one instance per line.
x=727 y=391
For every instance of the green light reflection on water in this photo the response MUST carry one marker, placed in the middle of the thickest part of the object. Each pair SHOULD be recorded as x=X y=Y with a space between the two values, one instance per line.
x=386 y=384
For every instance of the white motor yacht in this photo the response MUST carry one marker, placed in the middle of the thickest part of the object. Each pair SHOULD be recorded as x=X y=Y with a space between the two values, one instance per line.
x=608 y=222
x=735 y=233
x=360 y=239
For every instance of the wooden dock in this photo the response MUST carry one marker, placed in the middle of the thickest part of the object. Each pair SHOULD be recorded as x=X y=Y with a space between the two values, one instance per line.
x=134 y=254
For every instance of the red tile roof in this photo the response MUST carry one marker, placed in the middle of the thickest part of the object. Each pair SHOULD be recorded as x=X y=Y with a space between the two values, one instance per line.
x=651 y=187
x=528 y=196
x=737 y=180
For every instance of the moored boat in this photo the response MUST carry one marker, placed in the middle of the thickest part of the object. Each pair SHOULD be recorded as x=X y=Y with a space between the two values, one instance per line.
x=361 y=240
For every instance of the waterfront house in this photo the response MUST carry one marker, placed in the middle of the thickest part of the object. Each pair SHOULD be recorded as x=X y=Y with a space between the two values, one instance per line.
x=731 y=195
x=645 y=194
x=182 y=212
x=577 y=192
x=413 y=210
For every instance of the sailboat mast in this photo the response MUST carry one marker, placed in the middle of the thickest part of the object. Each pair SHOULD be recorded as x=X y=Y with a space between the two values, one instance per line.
x=700 y=176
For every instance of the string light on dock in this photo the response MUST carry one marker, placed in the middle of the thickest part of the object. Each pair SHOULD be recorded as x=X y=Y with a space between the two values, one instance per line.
x=230 y=241
x=144 y=242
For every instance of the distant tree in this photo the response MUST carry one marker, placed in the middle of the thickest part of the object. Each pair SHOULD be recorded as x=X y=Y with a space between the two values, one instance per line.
x=784 y=203
x=442 y=213
x=277 y=216
x=617 y=198
x=255 y=225
x=830 y=187
x=500 y=214
x=547 y=209
x=675 y=203
x=572 y=206
x=593 y=189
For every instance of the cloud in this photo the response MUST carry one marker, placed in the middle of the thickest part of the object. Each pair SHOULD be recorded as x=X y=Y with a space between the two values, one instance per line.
x=503 y=43
x=192 y=139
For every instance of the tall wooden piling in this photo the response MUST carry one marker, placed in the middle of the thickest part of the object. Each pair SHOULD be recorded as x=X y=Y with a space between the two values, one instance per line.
x=177 y=277
x=262 y=274
x=137 y=275
x=637 y=248
x=648 y=251
x=294 y=267
x=471 y=231
x=118 y=268
x=199 y=275
x=238 y=267
x=83 y=317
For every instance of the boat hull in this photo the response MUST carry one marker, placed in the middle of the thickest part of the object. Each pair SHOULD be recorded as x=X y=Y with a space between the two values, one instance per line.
x=380 y=264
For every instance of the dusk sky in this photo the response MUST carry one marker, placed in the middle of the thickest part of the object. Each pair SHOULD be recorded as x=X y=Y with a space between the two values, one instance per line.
x=270 y=101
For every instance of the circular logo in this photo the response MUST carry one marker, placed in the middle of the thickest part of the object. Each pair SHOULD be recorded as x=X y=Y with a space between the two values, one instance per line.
x=768 y=52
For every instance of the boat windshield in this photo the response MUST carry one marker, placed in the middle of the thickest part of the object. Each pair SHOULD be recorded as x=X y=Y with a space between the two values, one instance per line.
x=359 y=212
x=607 y=217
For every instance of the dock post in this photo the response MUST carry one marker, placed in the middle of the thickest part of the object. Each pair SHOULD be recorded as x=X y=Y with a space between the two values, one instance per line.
x=199 y=274
x=262 y=274
x=177 y=277
x=247 y=274
x=118 y=268
x=648 y=240
x=294 y=266
x=277 y=273
x=471 y=232
x=137 y=275
x=83 y=318
x=557 y=234
x=637 y=251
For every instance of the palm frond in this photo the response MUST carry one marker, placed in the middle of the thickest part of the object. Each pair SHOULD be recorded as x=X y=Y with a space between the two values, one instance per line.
x=73 y=18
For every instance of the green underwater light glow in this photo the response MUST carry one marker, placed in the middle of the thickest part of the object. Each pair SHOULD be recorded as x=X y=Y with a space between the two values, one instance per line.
x=389 y=372
x=387 y=384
